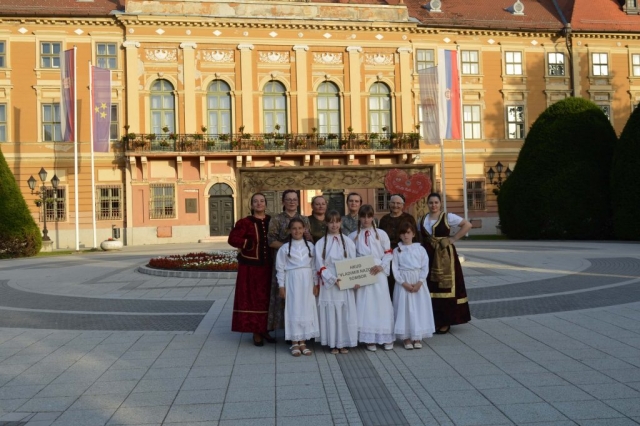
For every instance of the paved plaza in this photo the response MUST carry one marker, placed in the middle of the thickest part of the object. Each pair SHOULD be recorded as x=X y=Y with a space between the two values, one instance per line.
x=89 y=339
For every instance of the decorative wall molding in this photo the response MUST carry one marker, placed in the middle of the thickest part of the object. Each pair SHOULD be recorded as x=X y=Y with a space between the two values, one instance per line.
x=274 y=57
x=217 y=55
x=354 y=49
x=378 y=59
x=404 y=50
x=300 y=47
x=130 y=43
x=187 y=45
x=245 y=46
x=328 y=58
x=161 y=55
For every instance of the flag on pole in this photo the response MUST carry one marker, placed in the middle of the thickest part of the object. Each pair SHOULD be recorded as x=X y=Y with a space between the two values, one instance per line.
x=440 y=99
x=101 y=108
x=67 y=89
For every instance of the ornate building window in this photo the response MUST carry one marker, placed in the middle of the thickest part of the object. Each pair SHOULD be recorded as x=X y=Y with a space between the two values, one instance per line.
x=51 y=131
x=471 y=124
x=162 y=107
x=3 y=59
x=475 y=194
x=555 y=64
x=109 y=202
x=635 y=64
x=107 y=55
x=274 y=106
x=513 y=63
x=382 y=199
x=3 y=122
x=599 y=64
x=55 y=205
x=114 y=127
x=470 y=62
x=328 y=108
x=379 y=108
x=162 y=202
x=425 y=58
x=50 y=54
x=219 y=108
x=515 y=122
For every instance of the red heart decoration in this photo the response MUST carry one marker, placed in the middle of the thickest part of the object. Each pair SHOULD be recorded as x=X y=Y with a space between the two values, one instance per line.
x=413 y=188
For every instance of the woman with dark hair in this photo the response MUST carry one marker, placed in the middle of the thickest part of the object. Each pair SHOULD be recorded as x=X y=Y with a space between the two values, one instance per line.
x=350 y=220
x=277 y=236
x=445 y=279
x=253 y=282
x=317 y=224
x=390 y=223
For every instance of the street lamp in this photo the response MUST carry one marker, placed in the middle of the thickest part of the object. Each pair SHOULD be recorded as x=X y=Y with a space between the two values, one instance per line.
x=499 y=181
x=42 y=195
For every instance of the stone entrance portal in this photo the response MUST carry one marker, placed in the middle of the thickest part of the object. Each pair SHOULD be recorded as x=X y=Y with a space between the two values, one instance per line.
x=320 y=178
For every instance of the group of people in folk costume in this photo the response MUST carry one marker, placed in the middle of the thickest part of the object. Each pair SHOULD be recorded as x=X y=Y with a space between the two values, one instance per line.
x=287 y=276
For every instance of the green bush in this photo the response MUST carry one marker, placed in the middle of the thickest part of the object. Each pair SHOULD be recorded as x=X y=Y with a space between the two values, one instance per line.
x=19 y=234
x=560 y=186
x=625 y=176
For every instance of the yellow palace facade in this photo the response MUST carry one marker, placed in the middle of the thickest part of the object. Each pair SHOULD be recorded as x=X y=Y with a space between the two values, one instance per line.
x=214 y=100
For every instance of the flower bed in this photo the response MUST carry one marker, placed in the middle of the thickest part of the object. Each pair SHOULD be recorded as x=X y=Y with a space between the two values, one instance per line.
x=220 y=260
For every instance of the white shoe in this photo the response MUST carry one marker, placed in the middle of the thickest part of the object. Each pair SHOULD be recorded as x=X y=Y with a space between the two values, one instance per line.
x=417 y=344
x=408 y=345
x=388 y=346
x=371 y=348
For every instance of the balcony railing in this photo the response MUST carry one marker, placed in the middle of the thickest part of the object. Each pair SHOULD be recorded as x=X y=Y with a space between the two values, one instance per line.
x=275 y=142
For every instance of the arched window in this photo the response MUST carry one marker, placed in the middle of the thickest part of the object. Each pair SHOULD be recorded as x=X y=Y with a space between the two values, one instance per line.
x=220 y=189
x=218 y=108
x=379 y=108
x=162 y=107
x=328 y=108
x=274 y=107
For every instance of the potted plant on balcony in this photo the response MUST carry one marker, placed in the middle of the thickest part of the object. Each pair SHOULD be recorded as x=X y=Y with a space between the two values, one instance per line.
x=258 y=144
x=343 y=143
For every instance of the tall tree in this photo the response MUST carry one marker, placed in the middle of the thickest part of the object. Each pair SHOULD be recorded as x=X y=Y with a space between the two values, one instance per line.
x=559 y=188
x=19 y=234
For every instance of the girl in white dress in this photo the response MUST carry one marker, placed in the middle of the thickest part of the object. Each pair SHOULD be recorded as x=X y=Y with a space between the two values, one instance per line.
x=294 y=272
x=337 y=308
x=411 y=299
x=373 y=303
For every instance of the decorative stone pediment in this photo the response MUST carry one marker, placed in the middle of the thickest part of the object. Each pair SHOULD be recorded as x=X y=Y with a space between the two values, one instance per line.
x=327 y=58
x=217 y=56
x=161 y=55
x=378 y=59
x=274 y=57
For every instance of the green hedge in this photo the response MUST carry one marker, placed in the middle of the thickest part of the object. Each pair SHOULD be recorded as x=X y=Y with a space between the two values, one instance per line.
x=625 y=177
x=19 y=234
x=560 y=186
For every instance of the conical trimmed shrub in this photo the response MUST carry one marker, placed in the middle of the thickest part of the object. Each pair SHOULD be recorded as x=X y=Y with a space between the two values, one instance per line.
x=560 y=186
x=19 y=234
x=625 y=178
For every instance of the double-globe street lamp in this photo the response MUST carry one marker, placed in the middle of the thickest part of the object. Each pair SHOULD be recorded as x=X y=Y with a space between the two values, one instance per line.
x=42 y=195
x=499 y=181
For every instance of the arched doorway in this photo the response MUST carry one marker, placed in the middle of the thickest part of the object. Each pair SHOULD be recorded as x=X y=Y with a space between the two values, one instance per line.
x=221 y=218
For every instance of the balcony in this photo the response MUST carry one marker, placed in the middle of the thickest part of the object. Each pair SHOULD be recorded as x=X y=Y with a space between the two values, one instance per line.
x=270 y=142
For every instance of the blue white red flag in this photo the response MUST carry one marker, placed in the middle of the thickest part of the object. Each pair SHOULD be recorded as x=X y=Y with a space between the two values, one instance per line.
x=101 y=108
x=440 y=99
x=67 y=89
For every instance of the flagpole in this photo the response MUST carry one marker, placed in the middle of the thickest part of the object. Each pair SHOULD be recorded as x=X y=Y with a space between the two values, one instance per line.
x=464 y=161
x=75 y=145
x=93 y=176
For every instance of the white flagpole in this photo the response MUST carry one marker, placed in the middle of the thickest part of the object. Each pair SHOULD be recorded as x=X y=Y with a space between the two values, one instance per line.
x=93 y=177
x=444 y=192
x=75 y=144
x=464 y=162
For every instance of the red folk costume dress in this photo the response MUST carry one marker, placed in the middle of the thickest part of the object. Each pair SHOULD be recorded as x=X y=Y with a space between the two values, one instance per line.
x=448 y=293
x=253 y=284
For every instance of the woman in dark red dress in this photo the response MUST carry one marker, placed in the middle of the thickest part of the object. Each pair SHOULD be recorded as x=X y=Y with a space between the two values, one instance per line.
x=253 y=283
x=445 y=280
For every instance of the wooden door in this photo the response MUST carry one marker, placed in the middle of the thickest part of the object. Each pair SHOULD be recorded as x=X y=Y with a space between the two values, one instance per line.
x=221 y=219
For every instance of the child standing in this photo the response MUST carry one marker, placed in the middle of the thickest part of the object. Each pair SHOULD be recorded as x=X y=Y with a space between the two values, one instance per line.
x=337 y=308
x=411 y=299
x=294 y=272
x=373 y=303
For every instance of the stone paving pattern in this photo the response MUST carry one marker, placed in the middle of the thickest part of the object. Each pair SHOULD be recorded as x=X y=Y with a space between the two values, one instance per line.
x=78 y=360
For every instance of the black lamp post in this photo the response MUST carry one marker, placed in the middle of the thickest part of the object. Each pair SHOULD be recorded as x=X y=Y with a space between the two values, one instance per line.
x=498 y=182
x=42 y=195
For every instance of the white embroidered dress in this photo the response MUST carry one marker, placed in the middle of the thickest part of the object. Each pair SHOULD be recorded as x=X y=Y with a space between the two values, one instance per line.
x=336 y=308
x=373 y=303
x=296 y=274
x=413 y=311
